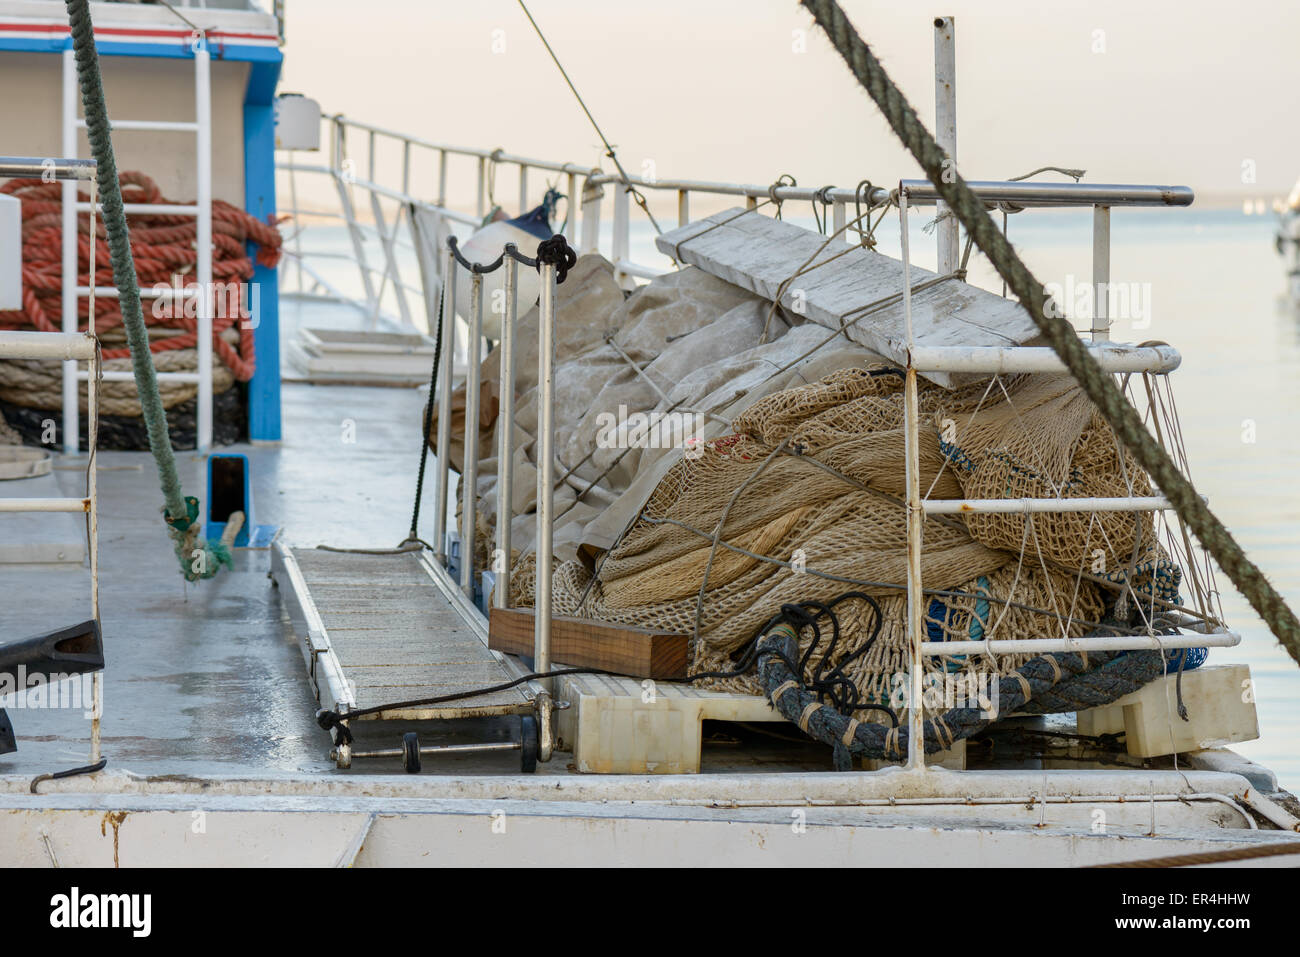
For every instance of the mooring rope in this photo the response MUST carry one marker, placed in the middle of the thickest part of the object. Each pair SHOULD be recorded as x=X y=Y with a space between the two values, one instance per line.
x=198 y=558
x=1096 y=384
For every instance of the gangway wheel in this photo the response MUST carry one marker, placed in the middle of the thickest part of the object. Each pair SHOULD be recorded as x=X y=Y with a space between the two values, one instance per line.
x=411 y=752
x=529 y=743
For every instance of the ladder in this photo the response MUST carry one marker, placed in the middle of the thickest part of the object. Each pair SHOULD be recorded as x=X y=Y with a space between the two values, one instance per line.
x=201 y=209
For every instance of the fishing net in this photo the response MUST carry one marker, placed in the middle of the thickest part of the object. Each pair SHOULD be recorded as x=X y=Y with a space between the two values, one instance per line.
x=804 y=501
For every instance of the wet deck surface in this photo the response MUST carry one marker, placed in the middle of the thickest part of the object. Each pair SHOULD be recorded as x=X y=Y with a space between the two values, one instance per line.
x=206 y=675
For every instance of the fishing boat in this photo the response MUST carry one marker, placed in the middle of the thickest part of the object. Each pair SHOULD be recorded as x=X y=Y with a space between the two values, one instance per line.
x=758 y=545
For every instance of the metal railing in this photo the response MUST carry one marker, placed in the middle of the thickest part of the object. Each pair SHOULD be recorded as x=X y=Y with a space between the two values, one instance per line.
x=587 y=195
x=1157 y=360
x=201 y=210
x=502 y=563
x=71 y=348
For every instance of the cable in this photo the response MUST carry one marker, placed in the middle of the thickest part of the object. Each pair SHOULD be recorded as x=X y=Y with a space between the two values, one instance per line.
x=609 y=149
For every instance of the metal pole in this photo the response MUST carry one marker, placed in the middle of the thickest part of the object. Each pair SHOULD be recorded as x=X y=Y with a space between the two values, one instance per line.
x=571 y=228
x=1100 y=273
x=481 y=199
x=545 y=468
x=921 y=192
x=915 y=515
x=591 y=198
x=71 y=407
x=444 y=405
x=343 y=179
x=506 y=430
x=523 y=189
x=92 y=493
x=469 y=455
x=203 y=240
x=945 y=129
x=621 y=242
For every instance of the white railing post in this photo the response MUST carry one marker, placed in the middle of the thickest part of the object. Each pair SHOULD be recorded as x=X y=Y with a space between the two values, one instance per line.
x=343 y=178
x=915 y=517
x=203 y=238
x=945 y=132
x=480 y=201
x=592 y=194
x=445 y=383
x=442 y=178
x=622 y=238
x=571 y=215
x=469 y=454
x=505 y=430
x=1100 y=273
x=545 y=473
x=92 y=493
x=71 y=403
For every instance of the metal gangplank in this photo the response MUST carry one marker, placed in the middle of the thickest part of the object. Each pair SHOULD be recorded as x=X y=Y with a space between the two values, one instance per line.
x=391 y=627
x=381 y=628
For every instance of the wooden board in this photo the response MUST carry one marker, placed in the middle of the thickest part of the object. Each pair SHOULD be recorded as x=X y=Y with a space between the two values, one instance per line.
x=759 y=253
x=587 y=643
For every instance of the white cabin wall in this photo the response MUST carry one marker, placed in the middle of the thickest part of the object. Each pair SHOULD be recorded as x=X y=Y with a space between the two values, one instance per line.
x=136 y=88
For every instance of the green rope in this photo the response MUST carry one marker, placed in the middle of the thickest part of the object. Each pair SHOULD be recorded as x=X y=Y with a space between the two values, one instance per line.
x=198 y=559
x=1096 y=384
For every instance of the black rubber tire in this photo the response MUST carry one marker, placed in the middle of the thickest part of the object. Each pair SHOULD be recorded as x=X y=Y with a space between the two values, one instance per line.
x=529 y=743
x=411 y=752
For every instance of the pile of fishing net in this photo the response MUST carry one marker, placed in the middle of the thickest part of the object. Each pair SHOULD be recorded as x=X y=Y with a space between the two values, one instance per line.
x=813 y=477
x=799 y=496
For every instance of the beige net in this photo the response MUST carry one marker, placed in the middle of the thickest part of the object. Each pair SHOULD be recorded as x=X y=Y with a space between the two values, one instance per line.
x=804 y=502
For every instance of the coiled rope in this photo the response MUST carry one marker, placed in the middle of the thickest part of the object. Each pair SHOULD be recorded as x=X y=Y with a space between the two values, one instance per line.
x=1074 y=680
x=163 y=250
x=1096 y=384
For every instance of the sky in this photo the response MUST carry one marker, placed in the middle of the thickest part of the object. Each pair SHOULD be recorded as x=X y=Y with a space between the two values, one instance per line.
x=1194 y=93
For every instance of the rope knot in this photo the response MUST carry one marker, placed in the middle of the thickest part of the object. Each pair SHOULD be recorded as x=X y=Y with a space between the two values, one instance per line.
x=332 y=720
x=557 y=252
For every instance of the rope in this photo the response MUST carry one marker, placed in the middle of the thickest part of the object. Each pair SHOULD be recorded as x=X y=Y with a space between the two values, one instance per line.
x=1096 y=384
x=198 y=559
x=1213 y=857
x=414 y=533
x=637 y=195
x=164 y=252
x=1077 y=681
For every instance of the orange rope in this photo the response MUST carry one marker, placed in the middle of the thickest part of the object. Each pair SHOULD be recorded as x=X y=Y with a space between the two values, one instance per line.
x=164 y=247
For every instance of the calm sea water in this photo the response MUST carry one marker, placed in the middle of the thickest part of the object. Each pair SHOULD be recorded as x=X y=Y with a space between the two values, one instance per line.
x=1213 y=286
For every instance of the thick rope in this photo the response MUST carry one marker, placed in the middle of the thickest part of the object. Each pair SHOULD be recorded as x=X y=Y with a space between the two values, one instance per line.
x=198 y=559
x=1096 y=384
x=1075 y=680
x=1275 y=849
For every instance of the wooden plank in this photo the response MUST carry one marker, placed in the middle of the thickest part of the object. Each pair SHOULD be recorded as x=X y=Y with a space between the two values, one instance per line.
x=587 y=643
x=759 y=253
